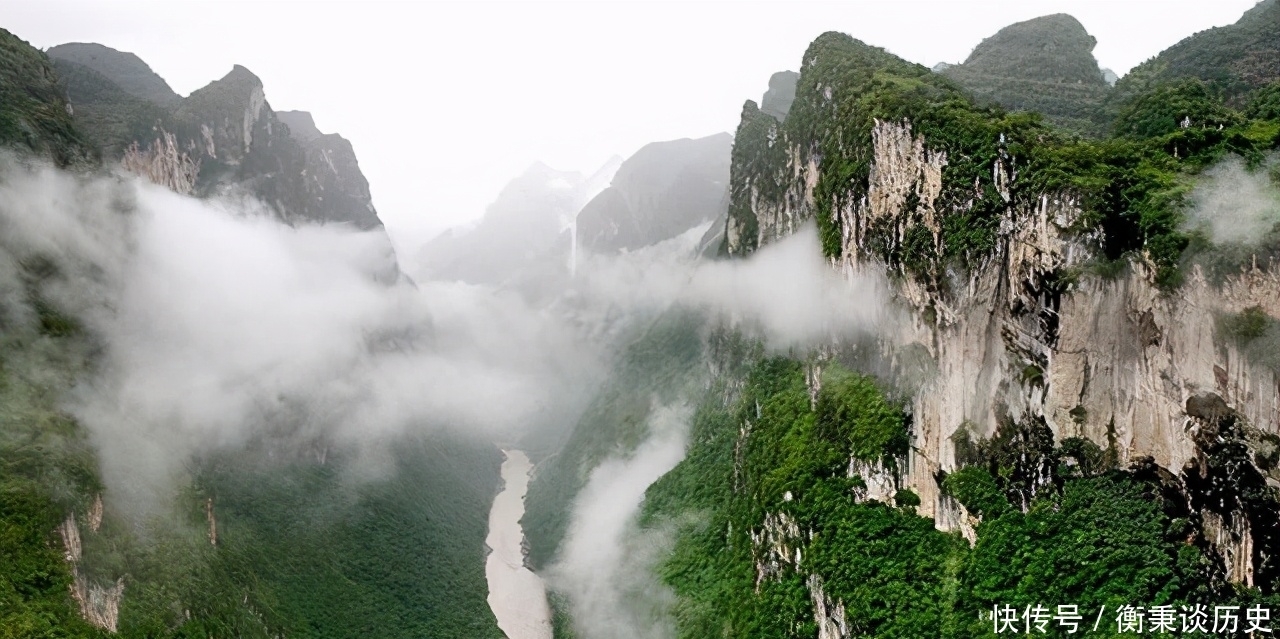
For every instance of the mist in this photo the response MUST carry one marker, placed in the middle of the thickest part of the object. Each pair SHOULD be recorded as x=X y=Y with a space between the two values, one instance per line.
x=218 y=324
x=786 y=294
x=1235 y=204
x=786 y=291
x=606 y=567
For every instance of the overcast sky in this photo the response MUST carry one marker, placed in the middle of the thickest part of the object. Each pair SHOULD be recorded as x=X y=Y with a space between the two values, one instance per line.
x=446 y=102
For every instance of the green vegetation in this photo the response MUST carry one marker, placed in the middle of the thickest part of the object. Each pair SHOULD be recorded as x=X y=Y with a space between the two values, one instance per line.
x=34 y=580
x=976 y=489
x=661 y=365
x=33 y=108
x=852 y=412
x=906 y=589
x=1164 y=108
x=1044 y=65
x=1132 y=185
x=1235 y=58
x=47 y=466
x=329 y=556
x=1255 y=333
x=109 y=117
x=304 y=549
x=1059 y=523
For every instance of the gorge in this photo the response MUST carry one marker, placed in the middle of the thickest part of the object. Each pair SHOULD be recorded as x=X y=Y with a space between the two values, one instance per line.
x=910 y=344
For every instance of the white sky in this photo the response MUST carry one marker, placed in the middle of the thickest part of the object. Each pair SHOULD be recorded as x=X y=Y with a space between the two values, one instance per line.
x=447 y=101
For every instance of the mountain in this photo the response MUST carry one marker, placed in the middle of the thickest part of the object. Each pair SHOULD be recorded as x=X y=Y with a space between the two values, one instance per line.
x=1044 y=65
x=222 y=138
x=1075 y=399
x=126 y=70
x=34 y=112
x=663 y=190
x=1064 y=390
x=525 y=228
x=265 y=538
x=1236 y=58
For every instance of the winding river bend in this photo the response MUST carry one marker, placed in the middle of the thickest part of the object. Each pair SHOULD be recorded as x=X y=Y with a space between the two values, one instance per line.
x=517 y=597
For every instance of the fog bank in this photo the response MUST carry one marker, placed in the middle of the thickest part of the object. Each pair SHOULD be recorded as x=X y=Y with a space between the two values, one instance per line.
x=219 y=326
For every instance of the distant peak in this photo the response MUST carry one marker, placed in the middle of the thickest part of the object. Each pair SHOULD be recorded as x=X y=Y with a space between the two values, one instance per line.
x=1052 y=48
x=239 y=75
x=301 y=125
x=781 y=94
x=1058 y=31
x=125 y=69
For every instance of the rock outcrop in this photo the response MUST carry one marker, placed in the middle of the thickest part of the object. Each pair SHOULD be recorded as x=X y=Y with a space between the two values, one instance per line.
x=782 y=92
x=226 y=130
x=99 y=605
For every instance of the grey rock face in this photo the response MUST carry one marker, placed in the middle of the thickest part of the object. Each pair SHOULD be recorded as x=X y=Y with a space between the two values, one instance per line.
x=663 y=190
x=227 y=128
x=301 y=125
x=782 y=92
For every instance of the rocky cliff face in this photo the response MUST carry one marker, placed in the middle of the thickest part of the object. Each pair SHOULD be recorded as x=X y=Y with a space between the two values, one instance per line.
x=663 y=190
x=227 y=131
x=1027 y=337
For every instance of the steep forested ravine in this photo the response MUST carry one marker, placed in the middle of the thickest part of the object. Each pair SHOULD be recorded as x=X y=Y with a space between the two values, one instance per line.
x=1044 y=371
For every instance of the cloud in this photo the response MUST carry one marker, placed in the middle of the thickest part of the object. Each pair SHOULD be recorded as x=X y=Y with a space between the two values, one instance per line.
x=786 y=290
x=1234 y=204
x=219 y=325
x=606 y=564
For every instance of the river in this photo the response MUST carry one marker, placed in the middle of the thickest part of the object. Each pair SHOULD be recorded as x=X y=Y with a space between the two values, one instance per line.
x=517 y=596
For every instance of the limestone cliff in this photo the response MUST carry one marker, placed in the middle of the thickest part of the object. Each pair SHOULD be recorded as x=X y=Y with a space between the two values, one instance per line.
x=1020 y=332
x=226 y=130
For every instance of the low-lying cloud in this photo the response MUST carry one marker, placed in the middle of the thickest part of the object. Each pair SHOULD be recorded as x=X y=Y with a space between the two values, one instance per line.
x=606 y=565
x=219 y=324
x=787 y=291
x=1234 y=204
